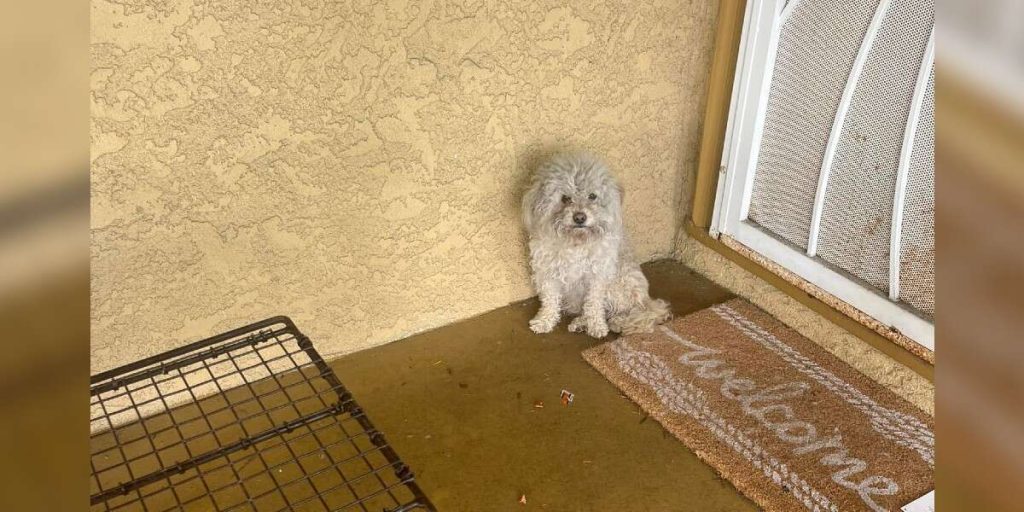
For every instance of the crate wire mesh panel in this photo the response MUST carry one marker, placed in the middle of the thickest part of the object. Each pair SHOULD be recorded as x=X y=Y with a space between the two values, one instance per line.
x=250 y=420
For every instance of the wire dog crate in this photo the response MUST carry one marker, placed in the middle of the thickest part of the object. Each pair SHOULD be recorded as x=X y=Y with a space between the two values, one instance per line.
x=250 y=420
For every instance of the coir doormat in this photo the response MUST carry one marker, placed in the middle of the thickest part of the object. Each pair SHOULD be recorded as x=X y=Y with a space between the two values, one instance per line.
x=790 y=425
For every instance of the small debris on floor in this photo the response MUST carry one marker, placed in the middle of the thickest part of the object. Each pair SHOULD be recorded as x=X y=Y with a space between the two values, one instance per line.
x=439 y=361
x=522 y=499
x=538 y=404
x=567 y=397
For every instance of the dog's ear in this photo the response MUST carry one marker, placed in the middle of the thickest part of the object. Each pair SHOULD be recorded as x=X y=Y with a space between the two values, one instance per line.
x=620 y=191
x=529 y=199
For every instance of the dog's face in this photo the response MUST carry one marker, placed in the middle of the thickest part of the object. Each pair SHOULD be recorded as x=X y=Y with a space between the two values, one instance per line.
x=574 y=197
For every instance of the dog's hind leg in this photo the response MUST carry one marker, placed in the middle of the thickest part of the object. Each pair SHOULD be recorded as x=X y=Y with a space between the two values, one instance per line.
x=633 y=310
x=641 y=319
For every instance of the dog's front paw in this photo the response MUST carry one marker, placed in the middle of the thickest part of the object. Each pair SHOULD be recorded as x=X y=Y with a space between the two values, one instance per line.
x=543 y=323
x=597 y=328
x=578 y=324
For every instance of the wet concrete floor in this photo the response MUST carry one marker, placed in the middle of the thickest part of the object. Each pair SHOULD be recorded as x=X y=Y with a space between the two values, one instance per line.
x=458 y=404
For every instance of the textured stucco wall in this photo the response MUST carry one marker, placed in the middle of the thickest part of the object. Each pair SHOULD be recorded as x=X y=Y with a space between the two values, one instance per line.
x=357 y=165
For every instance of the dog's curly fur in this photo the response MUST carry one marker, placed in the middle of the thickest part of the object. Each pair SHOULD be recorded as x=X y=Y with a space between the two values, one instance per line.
x=581 y=259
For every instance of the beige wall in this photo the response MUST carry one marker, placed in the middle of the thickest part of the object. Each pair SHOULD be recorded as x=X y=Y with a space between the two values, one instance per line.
x=357 y=165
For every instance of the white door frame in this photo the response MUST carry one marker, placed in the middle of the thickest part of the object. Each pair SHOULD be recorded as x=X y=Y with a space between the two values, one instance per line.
x=751 y=87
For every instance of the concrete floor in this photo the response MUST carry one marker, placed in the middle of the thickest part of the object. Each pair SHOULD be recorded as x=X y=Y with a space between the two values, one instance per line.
x=457 y=403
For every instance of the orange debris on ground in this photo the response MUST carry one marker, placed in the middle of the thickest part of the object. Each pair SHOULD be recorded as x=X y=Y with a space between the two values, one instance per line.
x=567 y=397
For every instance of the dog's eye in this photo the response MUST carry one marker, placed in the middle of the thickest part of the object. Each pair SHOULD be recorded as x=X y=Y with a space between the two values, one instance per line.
x=566 y=199
x=592 y=196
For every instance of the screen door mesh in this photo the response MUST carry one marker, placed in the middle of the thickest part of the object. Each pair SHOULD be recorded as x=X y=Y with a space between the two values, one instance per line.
x=857 y=215
x=917 y=258
x=817 y=47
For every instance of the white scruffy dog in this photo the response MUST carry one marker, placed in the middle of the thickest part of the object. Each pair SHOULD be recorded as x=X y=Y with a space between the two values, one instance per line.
x=579 y=254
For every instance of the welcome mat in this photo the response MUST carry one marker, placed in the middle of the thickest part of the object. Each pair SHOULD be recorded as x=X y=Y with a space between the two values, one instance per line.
x=790 y=425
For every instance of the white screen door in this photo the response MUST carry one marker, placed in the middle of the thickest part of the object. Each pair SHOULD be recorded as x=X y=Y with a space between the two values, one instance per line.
x=828 y=166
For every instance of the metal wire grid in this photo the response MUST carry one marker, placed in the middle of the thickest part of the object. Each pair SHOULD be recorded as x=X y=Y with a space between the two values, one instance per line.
x=249 y=420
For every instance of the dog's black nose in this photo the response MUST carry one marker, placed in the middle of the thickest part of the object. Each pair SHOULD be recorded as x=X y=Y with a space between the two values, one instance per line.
x=579 y=218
